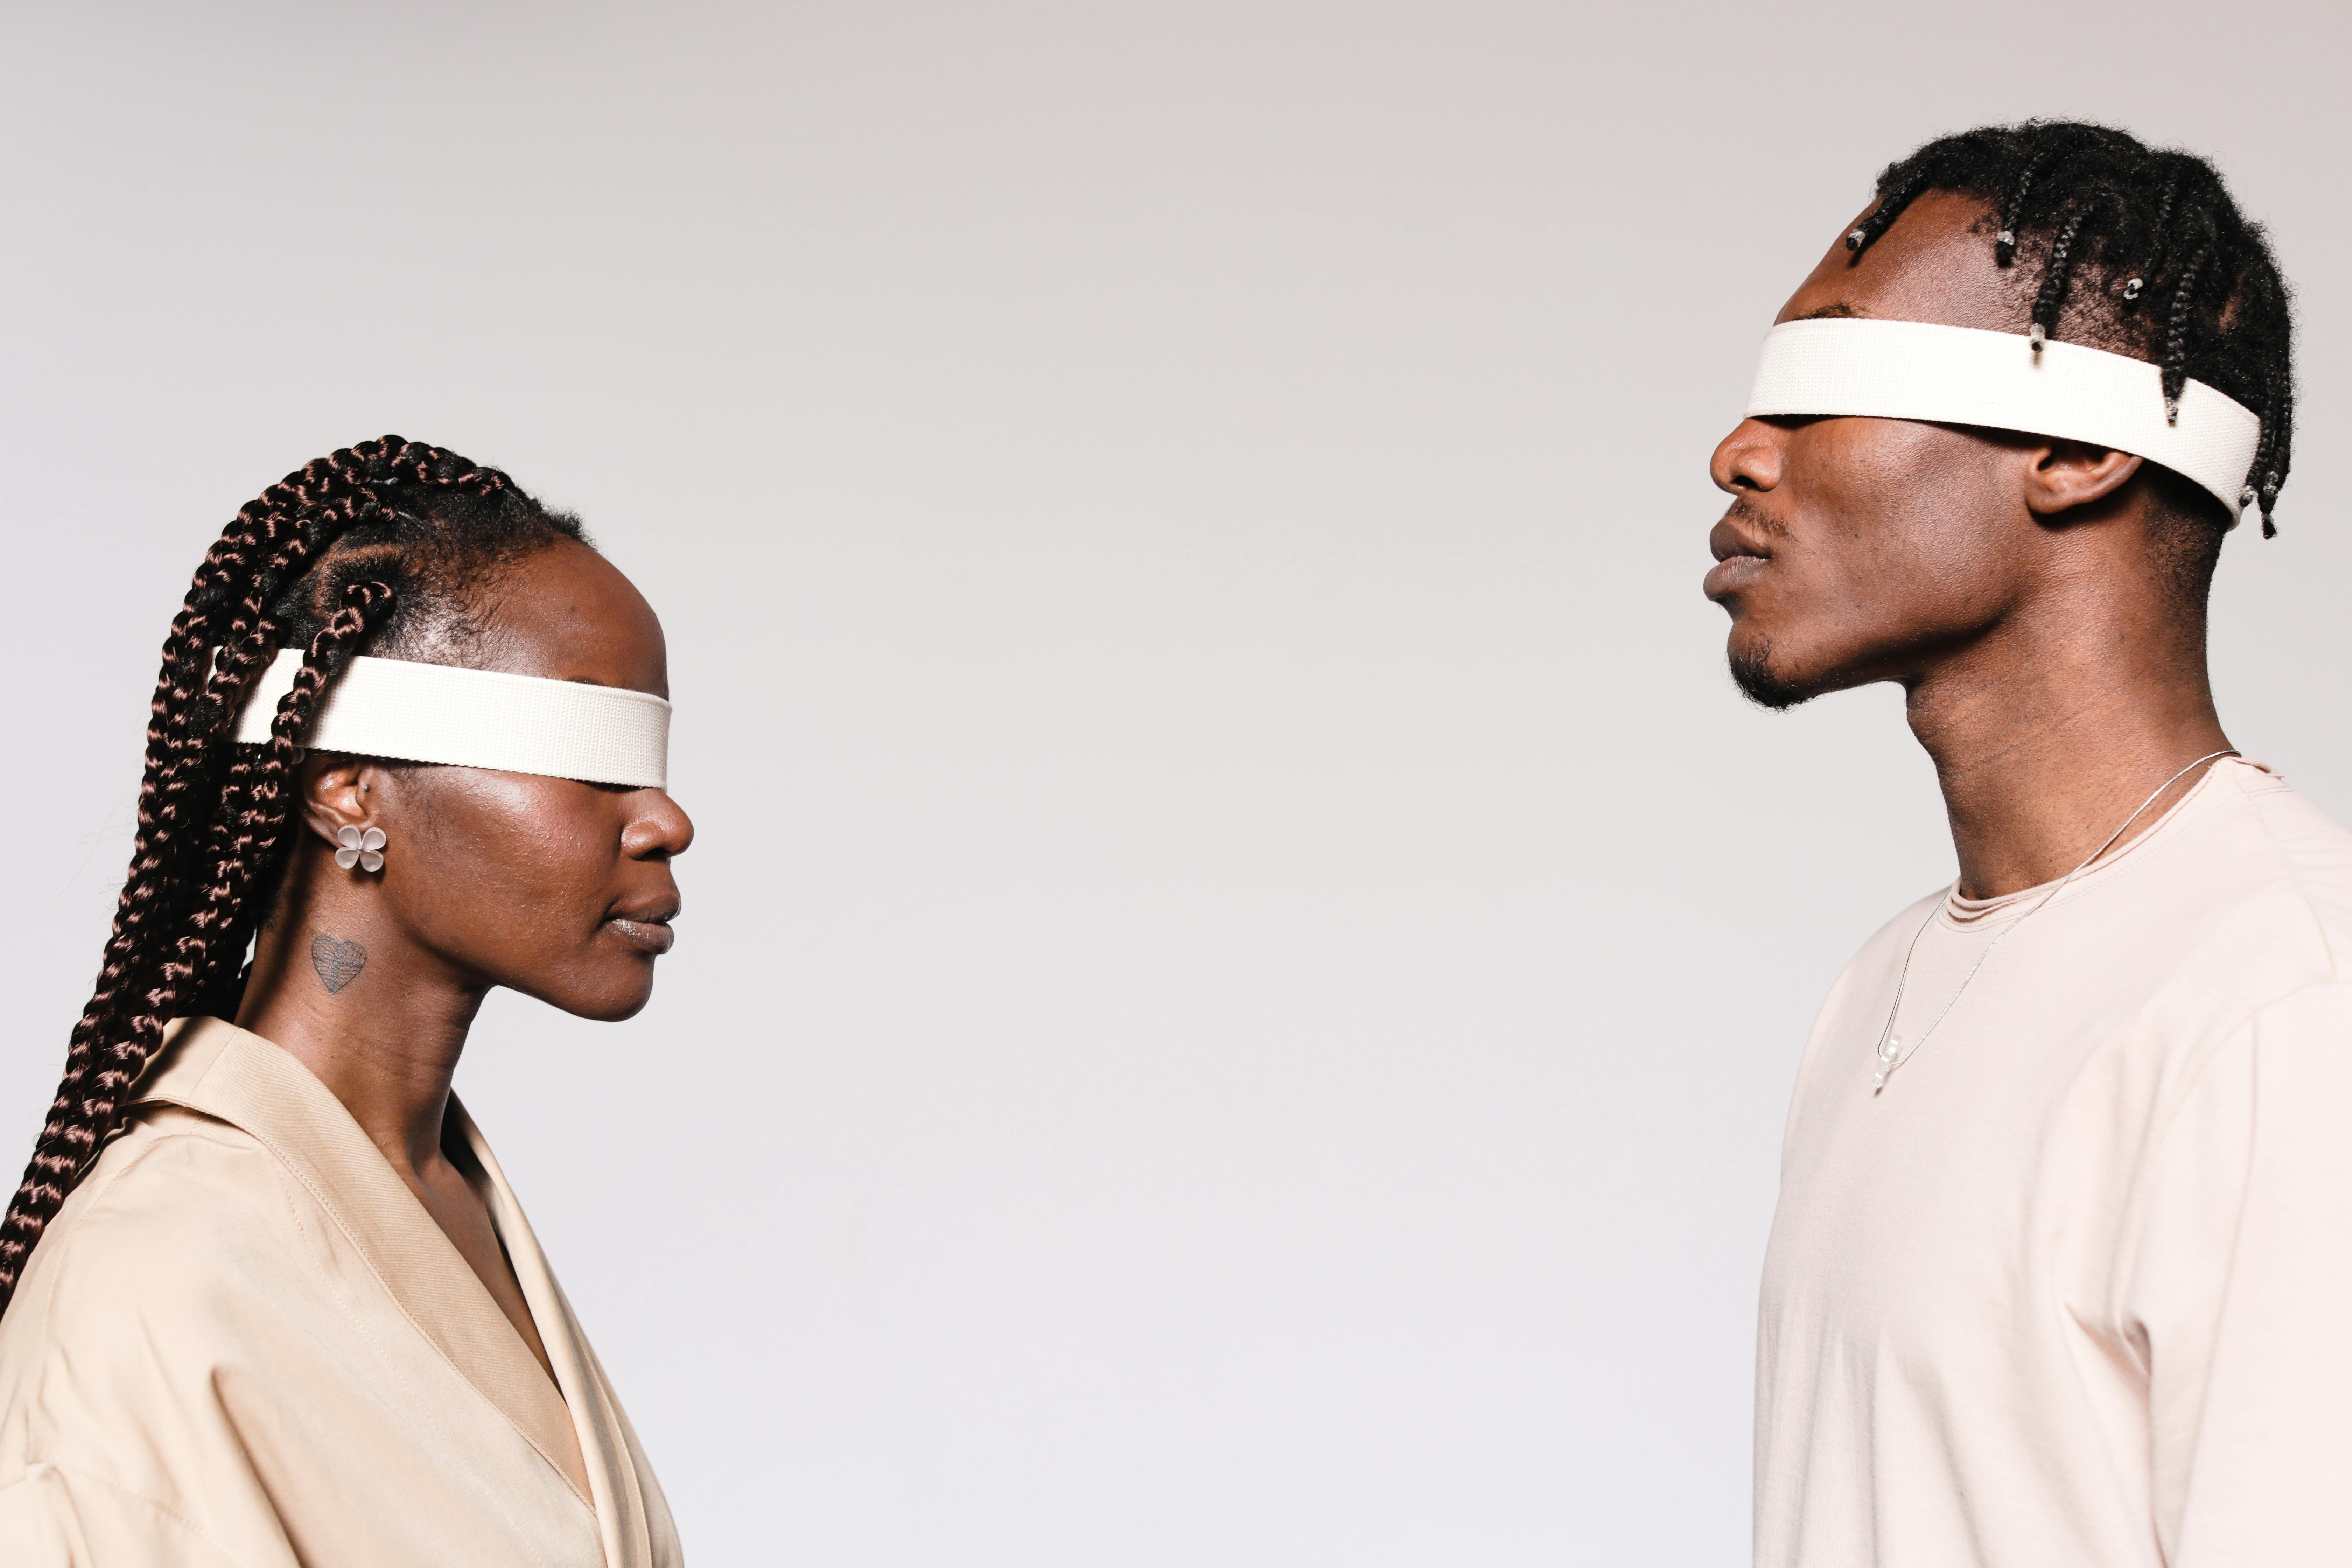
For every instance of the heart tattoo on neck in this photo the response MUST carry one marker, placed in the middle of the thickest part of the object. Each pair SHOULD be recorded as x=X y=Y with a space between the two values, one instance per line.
x=338 y=963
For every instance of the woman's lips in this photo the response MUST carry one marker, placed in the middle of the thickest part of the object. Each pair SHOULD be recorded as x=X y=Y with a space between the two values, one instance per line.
x=646 y=936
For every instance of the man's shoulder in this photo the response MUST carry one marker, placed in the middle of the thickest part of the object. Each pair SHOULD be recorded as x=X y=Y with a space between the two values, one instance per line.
x=2253 y=899
x=2274 y=867
x=2251 y=903
x=2289 y=842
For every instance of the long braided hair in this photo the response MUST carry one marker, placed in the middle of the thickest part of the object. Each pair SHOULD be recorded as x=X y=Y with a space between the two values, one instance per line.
x=2177 y=274
x=371 y=548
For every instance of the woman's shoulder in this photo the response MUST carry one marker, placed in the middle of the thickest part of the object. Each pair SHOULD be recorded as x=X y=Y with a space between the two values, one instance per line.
x=177 y=1268
x=186 y=1223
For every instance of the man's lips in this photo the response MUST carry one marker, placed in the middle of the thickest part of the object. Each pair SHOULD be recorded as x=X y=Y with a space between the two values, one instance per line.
x=1739 y=557
x=1742 y=532
x=1729 y=575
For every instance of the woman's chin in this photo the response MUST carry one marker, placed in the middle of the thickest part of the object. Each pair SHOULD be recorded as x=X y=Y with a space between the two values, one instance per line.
x=607 y=996
x=612 y=1008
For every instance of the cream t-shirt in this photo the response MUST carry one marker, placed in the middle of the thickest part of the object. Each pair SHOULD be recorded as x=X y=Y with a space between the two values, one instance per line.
x=2076 y=1287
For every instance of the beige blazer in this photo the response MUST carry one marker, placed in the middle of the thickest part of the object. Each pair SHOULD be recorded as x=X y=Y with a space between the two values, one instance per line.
x=245 y=1341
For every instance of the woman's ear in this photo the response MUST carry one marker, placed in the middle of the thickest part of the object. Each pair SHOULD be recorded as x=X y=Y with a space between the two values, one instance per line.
x=2064 y=475
x=337 y=794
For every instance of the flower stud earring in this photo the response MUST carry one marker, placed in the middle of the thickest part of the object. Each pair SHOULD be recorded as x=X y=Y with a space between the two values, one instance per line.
x=362 y=849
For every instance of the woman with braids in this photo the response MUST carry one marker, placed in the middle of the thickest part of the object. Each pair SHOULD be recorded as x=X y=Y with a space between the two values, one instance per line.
x=268 y=1300
x=2061 y=1270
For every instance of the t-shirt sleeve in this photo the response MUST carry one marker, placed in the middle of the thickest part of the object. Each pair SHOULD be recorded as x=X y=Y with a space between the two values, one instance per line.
x=2243 y=1288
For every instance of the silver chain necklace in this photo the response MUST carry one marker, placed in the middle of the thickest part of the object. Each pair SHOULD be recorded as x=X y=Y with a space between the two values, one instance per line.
x=1891 y=1054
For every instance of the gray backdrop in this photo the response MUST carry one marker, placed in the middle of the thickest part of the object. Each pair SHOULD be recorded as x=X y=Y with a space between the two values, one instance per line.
x=1243 y=962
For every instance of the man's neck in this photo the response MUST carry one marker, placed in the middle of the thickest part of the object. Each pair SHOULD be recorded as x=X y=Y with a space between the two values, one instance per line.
x=2044 y=745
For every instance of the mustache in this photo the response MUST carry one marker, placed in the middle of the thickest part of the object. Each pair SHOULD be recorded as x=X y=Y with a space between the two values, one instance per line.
x=1741 y=509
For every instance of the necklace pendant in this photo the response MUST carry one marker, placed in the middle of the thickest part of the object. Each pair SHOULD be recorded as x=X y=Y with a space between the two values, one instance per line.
x=1888 y=1055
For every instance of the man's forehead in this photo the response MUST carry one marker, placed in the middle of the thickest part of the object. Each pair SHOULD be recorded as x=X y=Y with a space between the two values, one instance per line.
x=1936 y=264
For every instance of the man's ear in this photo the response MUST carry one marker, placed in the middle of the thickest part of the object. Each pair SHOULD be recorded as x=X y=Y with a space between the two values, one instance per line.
x=2063 y=475
x=337 y=794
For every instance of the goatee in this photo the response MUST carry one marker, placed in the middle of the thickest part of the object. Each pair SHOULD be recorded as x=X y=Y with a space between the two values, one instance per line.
x=1752 y=671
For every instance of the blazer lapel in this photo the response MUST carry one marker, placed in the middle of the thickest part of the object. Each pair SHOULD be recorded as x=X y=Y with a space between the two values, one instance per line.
x=223 y=1071
x=595 y=1418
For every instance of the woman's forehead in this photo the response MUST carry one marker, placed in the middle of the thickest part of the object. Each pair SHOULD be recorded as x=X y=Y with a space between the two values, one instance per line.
x=565 y=613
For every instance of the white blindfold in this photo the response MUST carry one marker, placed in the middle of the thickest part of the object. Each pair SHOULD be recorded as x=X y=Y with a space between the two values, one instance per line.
x=1962 y=375
x=412 y=712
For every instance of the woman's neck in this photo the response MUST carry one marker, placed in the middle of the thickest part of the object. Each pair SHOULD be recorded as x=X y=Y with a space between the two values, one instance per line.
x=378 y=1022
x=381 y=1020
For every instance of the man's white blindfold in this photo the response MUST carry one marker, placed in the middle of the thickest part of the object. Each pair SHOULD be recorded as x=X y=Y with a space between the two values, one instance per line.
x=1961 y=375
x=411 y=712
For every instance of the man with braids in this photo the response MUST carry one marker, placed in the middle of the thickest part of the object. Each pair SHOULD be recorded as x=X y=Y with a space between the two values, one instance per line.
x=2061 y=1270
x=265 y=1299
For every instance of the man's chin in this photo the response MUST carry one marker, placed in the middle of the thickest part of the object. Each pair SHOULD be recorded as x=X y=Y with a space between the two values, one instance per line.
x=1752 y=671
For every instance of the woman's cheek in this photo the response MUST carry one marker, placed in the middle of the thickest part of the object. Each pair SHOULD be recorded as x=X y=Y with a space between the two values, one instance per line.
x=519 y=869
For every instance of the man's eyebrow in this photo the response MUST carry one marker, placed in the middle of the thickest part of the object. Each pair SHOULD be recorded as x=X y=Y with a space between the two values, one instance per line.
x=1828 y=312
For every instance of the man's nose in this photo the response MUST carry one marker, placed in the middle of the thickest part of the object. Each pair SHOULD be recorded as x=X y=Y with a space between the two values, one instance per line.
x=1747 y=459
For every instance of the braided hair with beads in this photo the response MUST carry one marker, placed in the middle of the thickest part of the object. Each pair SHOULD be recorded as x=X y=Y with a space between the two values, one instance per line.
x=2141 y=251
x=373 y=547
